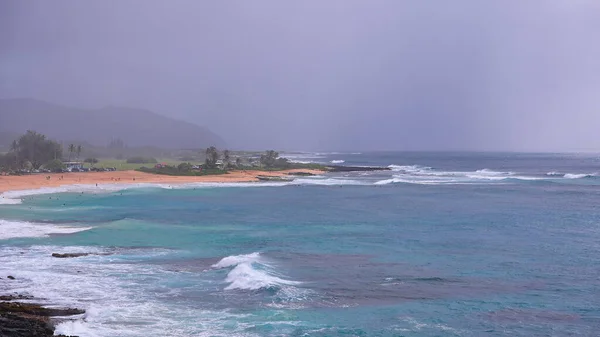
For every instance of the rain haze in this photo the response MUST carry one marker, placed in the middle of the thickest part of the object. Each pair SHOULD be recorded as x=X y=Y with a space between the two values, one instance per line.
x=323 y=75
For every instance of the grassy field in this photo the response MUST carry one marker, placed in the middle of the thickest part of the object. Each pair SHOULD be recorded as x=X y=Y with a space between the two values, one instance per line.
x=122 y=165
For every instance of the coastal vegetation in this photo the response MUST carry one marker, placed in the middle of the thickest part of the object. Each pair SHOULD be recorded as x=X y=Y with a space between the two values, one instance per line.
x=212 y=157
x=141 y=160
x=30 y=150
x=54 y=165
x=33 y=152
x=183 y=169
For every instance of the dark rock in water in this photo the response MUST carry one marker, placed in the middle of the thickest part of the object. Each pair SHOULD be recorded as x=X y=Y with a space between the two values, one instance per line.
x=10 y=277
x=273 y=178
x=301 y=174
x=37 y=310
x=66 y=255
x=340 y=168
x=15 y=297
x=12 y=325
x=26 y=320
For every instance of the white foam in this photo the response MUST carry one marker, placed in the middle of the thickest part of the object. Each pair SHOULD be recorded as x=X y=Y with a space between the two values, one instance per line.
x=234 y=260
x=326 y=182
x=245 y=276
x=577 y=175
x=118 y=298
x=74 y=328
x=15 y=197
x=419 y=182
x=488 y=172
x=338 y=161
x=409 y=168
x=423 y=175
x=386 y=182
x=250 y=272
x=17 y=229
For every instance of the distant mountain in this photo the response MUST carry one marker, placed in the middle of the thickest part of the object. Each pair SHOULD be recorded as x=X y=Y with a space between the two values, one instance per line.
x=136 y=127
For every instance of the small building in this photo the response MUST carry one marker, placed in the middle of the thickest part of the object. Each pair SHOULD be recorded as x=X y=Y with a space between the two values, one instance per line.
x=73 y=165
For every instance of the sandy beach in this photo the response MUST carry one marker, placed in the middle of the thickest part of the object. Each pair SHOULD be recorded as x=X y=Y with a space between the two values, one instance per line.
x=35 y=181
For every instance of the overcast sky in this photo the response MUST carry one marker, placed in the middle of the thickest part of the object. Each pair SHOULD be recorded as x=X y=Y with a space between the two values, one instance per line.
x=323 y=75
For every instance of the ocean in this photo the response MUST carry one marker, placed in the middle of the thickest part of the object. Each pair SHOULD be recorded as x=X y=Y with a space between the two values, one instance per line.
x=443 y=244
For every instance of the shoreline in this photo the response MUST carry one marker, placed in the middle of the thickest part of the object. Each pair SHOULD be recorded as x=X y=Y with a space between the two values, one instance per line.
x=57 y=180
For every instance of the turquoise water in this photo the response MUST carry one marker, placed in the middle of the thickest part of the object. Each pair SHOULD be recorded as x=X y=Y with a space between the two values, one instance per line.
x=442 y=245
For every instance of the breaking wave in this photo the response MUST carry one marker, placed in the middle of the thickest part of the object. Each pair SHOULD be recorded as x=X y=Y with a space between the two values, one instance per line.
x=251 y=272
x=18 y=229
x=338 y=161
x=571 y=175
x=424 y=175
x=577 y=175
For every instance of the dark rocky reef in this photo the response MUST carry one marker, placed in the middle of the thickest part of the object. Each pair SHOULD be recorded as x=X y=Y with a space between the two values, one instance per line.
x=13 y=325
x=37 y=310
x=28 y=319
x=340 y=168
x=273 y=178
x=66 y=255
x=301 y=174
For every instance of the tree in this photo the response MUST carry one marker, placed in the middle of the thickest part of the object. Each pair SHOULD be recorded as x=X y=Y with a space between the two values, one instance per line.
x=184 y=167
x=212 y=156
x=8 y=162
x=71 y=150
x=269 y=158
x=79 y=149
x=238 y=161
x=54 y=165
x=34 y=148
x=141 y=160
x=91 y=161
x=14 y=147
x=226 y=158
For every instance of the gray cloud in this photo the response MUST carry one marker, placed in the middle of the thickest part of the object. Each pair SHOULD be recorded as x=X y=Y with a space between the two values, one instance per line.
x=343 y=75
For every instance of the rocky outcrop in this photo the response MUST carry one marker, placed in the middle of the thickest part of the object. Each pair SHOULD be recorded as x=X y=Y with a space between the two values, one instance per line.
x=13 y=325
x=27 y=319
x=37 y=310
x=15 y=297
x=273 y=178
x=302 y=174
x=67 y=255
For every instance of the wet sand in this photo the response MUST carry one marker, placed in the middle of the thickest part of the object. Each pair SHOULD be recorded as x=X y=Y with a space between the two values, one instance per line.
x=35 y=181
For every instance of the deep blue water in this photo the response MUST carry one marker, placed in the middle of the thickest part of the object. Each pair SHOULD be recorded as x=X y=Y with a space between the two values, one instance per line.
x=444 y=245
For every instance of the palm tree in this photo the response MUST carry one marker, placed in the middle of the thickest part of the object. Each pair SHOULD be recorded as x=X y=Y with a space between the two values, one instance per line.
x=79 y=149
x=71 y=150
x=238 y=162
x=14 y=147
x=226 y=158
